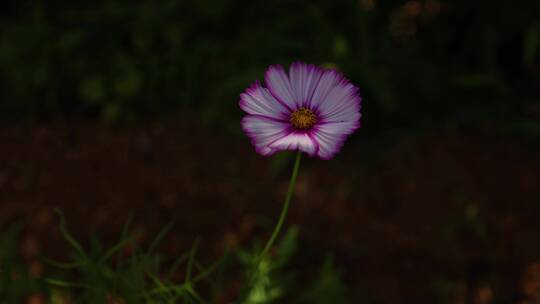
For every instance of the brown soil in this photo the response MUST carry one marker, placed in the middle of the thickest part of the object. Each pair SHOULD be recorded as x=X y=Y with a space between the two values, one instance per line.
x=432 y=216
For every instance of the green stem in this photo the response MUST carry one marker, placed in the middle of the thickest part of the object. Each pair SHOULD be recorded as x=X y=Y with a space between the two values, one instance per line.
x=285 y=209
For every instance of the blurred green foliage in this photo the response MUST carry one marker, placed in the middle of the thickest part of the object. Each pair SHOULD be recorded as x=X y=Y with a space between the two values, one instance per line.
x=415 y=61
x=128 y=272
x=15 y=281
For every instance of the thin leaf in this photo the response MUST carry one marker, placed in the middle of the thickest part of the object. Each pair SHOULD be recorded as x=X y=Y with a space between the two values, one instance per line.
x=532 y=44
x=127 y=225
x=160 y=237
x=61 y=265
x=114 y=249
x=61 y=283
x=68 y=236
x=194 y=294
x=162 y=288
x=177 y=264
x=192 y=252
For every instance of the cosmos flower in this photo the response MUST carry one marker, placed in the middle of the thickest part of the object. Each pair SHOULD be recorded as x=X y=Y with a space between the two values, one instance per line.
x=311 y=109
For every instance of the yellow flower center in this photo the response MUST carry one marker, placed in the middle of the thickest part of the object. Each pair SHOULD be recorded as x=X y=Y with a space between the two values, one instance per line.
x=303 y=118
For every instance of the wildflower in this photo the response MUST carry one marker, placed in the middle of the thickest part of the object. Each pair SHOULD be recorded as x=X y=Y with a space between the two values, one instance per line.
x=312 y=110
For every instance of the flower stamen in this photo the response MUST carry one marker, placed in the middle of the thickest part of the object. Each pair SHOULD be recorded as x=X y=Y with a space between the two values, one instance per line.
x=303 y=118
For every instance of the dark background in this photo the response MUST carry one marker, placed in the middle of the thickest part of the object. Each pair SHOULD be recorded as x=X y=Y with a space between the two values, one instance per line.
x=112 y=107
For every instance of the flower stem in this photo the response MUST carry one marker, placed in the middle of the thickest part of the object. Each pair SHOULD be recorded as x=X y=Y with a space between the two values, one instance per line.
x=286 y=204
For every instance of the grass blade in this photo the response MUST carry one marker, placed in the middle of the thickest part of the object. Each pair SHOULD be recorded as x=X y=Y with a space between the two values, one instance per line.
x=67 y=235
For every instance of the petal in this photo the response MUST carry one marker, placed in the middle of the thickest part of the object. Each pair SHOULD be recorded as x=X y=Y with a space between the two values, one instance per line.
x=335 y=98
x=296 y=141
x=279 y=85
x=263 y=130
x=258 y=100
x=331 y=136
x=341 y=104
x=304 y=79
x=329 y=80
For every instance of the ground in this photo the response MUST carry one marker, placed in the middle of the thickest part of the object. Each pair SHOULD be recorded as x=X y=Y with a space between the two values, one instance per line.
x=412 y=220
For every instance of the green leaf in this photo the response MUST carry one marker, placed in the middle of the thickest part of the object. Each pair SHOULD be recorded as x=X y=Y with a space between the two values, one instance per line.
x=532 y=44
x=67 y=236
x=92 y=89
x=160 y=237
x=328 y=286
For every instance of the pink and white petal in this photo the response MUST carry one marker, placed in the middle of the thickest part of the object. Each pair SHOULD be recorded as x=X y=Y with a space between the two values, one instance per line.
x=279 y=85
x=341 y=104
x=296 y=141
x=263 y=131
x=328 y=80
x=342 y=117
x=304 y=79
x=258 y=100
x=331 y=136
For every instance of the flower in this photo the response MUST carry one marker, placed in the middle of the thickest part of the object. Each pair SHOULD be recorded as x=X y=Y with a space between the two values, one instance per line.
x=313 y=110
